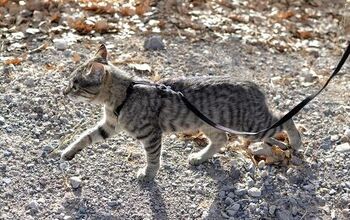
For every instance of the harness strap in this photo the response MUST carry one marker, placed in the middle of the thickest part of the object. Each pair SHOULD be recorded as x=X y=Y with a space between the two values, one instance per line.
x=199 y=114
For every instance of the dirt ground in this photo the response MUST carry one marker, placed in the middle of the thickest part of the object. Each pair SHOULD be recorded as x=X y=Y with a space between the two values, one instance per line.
x=35 y=118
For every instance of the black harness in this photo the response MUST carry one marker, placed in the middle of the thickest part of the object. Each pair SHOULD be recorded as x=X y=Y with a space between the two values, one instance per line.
x=199 y=114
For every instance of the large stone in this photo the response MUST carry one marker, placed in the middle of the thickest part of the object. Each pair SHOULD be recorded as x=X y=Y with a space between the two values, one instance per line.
x=343 y=148
x=75 y=182
x=254 y=192
x=154 y=43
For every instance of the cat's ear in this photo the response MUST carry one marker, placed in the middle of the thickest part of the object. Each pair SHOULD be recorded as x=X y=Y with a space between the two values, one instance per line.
x=97 y=71
x=102 y=53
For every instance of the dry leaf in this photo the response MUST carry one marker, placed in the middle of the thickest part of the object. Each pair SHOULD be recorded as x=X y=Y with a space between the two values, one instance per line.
x=49 y=66
x=237 y=18
x=142 y=7
x=281 y=136
x=101 y=26
x=126 y=11
x=285 y=14
x=100 y=9
x=278 y=151
x=197 y=137
x=14 y=61
x=55 y=17
x=304 y=34
x=76 y=57
x=80 y=26
x=161 y=23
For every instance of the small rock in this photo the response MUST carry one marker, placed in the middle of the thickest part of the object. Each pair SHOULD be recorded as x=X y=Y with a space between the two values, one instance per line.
x=296 y=160
x=113 y=203
x=228 y=201
x=343 y=147
x=334 y=138
x=283 y=215
x=309 y=187
x=75 y=182
x=32 y=30
x=2 y=120
x=67 y=217
x=231 y=212
x=60 y=44
x=264 y=174
x=272 y=209
x=333 y=214
x=6 y=180
x=254 y=192
x=240 y=192
x=332 y=192
x=261 y=164
x=347 y=133
x=231 y=195
x=33 y=205
x=235 y=206
x=154 y=43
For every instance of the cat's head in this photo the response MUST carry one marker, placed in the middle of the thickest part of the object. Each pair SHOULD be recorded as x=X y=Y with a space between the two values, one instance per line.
x=87 y=80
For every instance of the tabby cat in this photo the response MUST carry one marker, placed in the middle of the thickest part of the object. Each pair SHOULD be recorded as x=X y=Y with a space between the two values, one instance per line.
x=148 y=112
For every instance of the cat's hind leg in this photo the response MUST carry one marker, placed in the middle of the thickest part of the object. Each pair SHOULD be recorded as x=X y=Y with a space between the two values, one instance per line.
x=217 y=139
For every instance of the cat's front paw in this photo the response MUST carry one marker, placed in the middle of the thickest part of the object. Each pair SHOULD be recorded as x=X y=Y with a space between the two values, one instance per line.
x=146 y=175
x=196 y=159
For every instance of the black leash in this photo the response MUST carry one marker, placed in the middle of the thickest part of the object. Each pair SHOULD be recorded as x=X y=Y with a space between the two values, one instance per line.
x=199 y=114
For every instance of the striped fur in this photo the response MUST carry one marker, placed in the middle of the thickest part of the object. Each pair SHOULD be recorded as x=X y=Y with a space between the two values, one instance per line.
x=150 y=112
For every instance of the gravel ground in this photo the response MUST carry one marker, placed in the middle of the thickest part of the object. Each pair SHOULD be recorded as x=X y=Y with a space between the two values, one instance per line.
x=100 y=182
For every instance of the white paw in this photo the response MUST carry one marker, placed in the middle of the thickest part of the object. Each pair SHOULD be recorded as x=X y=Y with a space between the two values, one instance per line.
x=145 y=175
x=195 y=159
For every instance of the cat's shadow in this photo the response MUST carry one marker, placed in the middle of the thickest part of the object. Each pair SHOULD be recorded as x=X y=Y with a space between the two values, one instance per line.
x=157 y=204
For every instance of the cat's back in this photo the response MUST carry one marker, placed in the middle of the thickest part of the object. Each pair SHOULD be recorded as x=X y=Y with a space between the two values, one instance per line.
x=216 y=84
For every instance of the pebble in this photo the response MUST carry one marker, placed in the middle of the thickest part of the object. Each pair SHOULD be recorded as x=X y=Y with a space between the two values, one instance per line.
x=154 y=43
x=254 y=192
x=235 y=207
x=231 y=195
x=272 y=209
x=347 y=133
x=296 y=160
x=6 y=180
x=261 y=164
x=343 y=147
x=67 y=217
x=264 y=173
x=2 y=120
x=228 y=201
x=283 y=215
x=334 y=138
x=75 y=182
x=33 y=205
x=60 y=44
x=240 y=192
x=231 y=212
